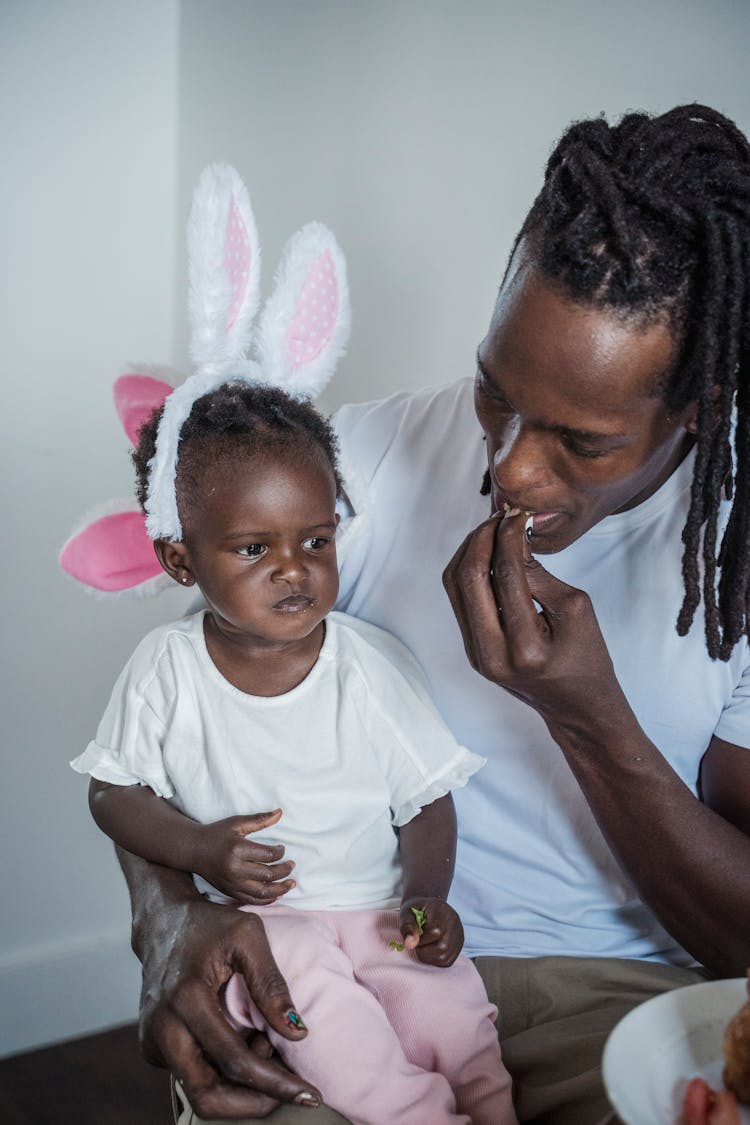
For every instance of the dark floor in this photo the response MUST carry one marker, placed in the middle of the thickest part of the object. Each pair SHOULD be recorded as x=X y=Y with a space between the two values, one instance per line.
x=99 y=1080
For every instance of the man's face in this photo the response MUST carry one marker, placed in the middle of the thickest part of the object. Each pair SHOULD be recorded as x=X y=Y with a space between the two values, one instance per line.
x=567 y=396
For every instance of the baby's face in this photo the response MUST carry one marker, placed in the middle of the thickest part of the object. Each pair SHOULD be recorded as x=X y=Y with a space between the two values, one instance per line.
x=262 y=550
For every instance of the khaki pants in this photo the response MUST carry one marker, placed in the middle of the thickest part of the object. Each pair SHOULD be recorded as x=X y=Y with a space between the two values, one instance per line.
x=555 y=1015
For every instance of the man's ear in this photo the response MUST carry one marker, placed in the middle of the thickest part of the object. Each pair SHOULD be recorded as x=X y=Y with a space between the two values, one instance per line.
x=175 y=559
x=691 y=425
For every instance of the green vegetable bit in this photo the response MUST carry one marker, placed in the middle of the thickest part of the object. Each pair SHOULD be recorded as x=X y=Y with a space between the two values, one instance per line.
x=420 y=917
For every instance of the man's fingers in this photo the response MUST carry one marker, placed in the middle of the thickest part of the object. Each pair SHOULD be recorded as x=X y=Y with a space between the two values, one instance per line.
x=205 y=1023
x=267 y=986
x=209 y=1095
x=467 y=580
x=510 y=559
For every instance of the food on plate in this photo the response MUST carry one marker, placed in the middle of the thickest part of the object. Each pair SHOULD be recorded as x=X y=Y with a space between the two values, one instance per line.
x=737 y=1052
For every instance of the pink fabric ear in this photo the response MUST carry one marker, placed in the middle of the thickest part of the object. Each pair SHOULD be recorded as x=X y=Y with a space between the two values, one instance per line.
x=136 y=398
x=236 y=260
x=315 y=313
x=112 y=554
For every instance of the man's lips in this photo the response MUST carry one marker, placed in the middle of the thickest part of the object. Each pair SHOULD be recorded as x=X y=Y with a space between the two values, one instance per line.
x=294 y=603
x=500 y=504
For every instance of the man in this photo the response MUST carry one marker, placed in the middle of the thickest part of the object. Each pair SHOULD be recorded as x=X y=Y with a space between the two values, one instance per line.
x=604 y=853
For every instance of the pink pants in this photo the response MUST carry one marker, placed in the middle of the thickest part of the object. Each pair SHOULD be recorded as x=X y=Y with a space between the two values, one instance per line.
x=390 y=1041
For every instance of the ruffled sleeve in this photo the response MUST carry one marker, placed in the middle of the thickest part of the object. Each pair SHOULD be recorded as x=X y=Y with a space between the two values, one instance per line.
x=127 y=749
x=419 y=756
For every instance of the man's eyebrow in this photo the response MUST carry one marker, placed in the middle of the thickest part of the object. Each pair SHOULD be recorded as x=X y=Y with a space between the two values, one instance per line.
x=553 y=427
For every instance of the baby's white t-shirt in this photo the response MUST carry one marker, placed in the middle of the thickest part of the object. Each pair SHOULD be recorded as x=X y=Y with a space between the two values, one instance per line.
x=353 y=751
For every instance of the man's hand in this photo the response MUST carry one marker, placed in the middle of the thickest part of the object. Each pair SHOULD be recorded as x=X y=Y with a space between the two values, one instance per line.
x=441 y=937
x=528 y=631
x=189 y=949
x=246 y=871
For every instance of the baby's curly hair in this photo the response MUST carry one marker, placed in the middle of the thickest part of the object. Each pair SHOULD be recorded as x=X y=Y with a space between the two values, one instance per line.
x=237 y=418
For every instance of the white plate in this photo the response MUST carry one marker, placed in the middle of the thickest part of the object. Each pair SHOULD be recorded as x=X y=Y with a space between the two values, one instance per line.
x=654 y=1051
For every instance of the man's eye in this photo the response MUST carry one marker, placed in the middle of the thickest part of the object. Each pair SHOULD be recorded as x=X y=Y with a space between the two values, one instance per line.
x=252 y=551
x=315 y=543
x=490 y=391
x=585 y=451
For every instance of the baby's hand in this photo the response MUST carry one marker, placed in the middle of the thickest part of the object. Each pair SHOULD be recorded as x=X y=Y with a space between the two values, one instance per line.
x=441 y=936
x=244 y=870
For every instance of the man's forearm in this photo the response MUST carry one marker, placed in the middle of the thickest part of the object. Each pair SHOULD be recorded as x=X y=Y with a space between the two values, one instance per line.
x=158 y=896
x=691 y=866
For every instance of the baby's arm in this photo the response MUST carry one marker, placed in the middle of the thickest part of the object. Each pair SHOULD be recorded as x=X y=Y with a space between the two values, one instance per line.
x=148 y=826
x=427 y=844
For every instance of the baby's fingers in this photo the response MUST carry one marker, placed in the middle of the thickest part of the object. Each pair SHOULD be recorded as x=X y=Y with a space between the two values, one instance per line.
x=253 y=892
x=410 y=934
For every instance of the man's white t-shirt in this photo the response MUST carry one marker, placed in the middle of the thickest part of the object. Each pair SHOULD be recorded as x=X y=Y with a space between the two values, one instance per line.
x=353 y=751
x=534 y=875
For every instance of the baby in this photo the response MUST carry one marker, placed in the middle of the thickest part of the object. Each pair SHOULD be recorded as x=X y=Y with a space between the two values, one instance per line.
x=267 y=699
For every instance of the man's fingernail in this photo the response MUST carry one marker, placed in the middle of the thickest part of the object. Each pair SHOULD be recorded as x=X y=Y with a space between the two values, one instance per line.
x=307 y=1099
x=294 y=1019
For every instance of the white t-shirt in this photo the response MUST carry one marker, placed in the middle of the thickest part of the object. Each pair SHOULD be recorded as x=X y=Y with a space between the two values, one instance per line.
x=534 y=875
x=354 y=750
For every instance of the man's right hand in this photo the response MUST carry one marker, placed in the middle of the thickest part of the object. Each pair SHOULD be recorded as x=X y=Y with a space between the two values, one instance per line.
x=189 y=949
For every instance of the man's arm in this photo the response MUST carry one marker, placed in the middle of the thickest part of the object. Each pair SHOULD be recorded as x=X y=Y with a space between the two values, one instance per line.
x=189 y=948
x=689 y=859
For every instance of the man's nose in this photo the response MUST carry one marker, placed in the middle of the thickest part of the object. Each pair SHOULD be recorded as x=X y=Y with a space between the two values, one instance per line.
x=521 y=461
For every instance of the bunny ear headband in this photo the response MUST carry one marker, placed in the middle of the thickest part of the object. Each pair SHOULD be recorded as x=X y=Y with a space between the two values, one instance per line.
x=302 y=332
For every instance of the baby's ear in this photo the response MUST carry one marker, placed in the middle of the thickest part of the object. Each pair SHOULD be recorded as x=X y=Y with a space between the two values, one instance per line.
x=223 y=271
x=175 y=561
x=112 y=555
x=304 y=327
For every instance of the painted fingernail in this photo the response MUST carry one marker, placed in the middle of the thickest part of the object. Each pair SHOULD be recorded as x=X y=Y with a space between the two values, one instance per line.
x=528 y=529
x=294 y=1019
x=307 y=1099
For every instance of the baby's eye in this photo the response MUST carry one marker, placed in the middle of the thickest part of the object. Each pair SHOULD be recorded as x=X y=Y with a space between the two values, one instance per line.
x=251 y=551
x=315 y=543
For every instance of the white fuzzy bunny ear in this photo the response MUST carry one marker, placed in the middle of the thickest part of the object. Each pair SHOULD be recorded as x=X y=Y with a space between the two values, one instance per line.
x=224 y=271
x=224 y=276
x=304 y=327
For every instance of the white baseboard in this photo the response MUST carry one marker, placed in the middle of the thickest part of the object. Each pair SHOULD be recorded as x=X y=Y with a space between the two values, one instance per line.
x=64 y=991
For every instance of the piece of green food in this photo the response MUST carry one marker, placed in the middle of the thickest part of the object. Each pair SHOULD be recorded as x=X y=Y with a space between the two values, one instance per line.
x=419 y=915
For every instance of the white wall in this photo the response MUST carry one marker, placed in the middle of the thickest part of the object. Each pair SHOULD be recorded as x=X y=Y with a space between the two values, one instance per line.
x=418 y=130
x=88 y=109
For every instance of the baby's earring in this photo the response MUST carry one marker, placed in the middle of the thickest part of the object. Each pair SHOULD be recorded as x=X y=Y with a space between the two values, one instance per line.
x=186 y=579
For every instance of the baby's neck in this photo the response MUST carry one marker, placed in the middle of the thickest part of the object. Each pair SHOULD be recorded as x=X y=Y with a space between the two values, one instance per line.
x=263 y=670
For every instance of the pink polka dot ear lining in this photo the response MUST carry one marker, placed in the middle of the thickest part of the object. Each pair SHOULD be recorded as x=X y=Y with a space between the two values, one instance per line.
x=302 y=332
